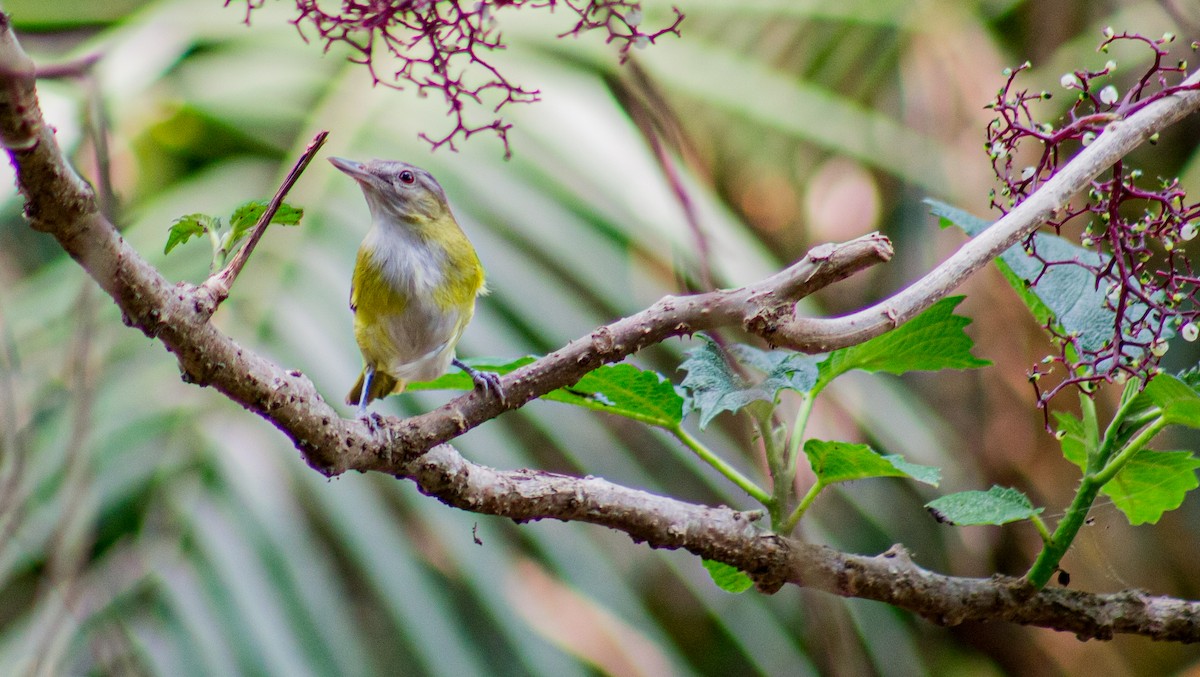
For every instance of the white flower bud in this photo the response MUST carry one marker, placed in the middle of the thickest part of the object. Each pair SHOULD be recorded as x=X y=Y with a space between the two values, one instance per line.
x=1027 y=173
x=1159 y=348
x=1088 y=138
x=634 y=17
x=1109 y=95
x=1069 y=81
x=1188 y=232
x=641 y=42
x=1190 y=332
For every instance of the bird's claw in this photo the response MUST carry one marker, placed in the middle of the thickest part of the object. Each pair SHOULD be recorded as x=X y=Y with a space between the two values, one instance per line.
x=485 y=381
x=488 y=382
x=373 y=420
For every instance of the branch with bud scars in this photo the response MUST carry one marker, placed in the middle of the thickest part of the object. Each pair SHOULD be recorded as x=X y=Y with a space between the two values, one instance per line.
x=58 y=202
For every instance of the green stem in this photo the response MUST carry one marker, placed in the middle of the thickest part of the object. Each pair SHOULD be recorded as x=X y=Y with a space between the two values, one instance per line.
x=776 y=462
x=793 y=519
x=1134 y=446
x=1052 y=553
x=1093 y=480
x=746 y=484
x=1111 y=434
x=797 y=438
x=1091 y=432
x=218 y=245
x=1040 y=525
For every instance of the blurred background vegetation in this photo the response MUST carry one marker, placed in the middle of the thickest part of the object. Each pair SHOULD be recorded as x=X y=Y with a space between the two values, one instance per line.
x=151 y=527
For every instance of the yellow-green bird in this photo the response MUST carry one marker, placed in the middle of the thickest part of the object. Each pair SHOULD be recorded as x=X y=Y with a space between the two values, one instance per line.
x=415 y=282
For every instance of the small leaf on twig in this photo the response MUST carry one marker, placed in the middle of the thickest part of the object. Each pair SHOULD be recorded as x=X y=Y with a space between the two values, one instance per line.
x=186 y=227
x=998 y=505
x=843 y=462
x=727 y=578
x=248 y=214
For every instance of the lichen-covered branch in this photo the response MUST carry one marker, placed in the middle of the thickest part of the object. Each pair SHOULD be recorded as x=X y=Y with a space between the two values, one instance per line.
x=58 y=202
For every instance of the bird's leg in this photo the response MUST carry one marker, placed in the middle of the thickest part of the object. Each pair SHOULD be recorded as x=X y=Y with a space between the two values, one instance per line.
x=485 y=381
x=368 y=374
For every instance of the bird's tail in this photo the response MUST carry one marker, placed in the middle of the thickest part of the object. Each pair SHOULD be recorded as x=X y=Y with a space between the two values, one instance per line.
x=382 y=385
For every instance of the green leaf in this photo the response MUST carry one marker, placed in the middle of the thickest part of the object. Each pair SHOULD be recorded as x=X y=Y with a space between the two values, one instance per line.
x=715 y=387
x=1151 y=483
x=931 y=341
x=620 y=389
x=784 y=370
x=727 y=578
x=1065 y=295
x=248 y=214
x=843 y=461
x=186 y=227
x=459 y=380
x=1178 y=402
x=625 y=390
x=926 y=474
x=998 y=505
x=1071 y=438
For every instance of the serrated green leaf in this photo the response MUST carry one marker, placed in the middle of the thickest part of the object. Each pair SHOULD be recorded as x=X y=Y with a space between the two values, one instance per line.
x=714 y=387
x=925 y=474
x=1151 y=483
x=998 y=505
x=186 y=227
x=620 y=389
x=1065 y=295
x=1070 y=431
x=834 y=462
x=1178 y=402
x=248 y=214
x=730 y=579
x=931 y=341
x=1190 y=377
x=625 y=390
x=973 y=225
x=784 y=370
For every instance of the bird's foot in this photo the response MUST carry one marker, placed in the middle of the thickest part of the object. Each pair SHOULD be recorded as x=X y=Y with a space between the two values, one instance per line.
x=373 y=420
x=485 y=381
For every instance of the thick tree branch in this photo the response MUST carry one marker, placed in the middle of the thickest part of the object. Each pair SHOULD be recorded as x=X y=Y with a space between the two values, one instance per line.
x=58 y=202
x=731 y=536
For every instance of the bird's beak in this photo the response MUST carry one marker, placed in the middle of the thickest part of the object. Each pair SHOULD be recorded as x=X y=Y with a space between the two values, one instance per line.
x=351 y=168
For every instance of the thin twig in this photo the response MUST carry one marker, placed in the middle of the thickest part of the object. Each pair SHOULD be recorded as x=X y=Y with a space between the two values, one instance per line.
x=69 y=69
x=221 y=282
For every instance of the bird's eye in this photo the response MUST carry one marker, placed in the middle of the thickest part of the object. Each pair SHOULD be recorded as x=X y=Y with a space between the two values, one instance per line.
x=407 y=177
